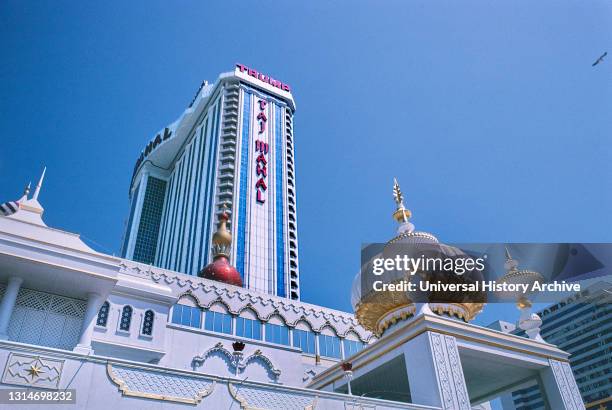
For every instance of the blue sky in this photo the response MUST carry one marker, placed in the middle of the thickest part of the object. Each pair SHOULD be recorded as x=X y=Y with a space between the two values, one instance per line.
x=490 y=115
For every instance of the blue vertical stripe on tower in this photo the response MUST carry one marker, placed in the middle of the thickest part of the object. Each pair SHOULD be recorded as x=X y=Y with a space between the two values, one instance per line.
x=195 y=204
x=128 y=229
x=278 y=176
x=211 y=174
x=203 y=245
x=244 y=164
x=187 y=191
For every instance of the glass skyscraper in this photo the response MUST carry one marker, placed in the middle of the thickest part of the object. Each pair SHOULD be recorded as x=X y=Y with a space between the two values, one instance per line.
x=233 y=146
x=582 y=326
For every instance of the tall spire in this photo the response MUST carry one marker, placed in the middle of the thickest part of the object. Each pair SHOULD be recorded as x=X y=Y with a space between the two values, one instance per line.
x=401 y=214
x=40 y=182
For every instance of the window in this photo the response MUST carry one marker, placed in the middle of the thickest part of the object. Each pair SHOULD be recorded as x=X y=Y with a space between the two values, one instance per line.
x=305 y=340
x=126 y=318
x=150 y=219
x=102 y=319
x=278 y=334
x=186 y=315
x=218 y=322
x=329 y=346
x=249 y=328
x=351 y=347
x=147 y=323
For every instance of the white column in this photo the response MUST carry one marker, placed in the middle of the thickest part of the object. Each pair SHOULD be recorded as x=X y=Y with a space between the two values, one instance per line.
x=435 y=373
x=94 y=301
x=560 y=386
x=8 y=304
x=317 y=351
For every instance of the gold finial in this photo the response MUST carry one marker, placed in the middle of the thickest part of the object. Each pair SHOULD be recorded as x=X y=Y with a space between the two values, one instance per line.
x=401 y=214
x=222 y=238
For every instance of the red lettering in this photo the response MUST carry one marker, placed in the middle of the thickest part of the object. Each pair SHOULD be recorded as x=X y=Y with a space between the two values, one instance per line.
x=260 y=199
x=263 y=77
x=262 y=171
x=261 y=146
x=261 y=184
x=261 y=158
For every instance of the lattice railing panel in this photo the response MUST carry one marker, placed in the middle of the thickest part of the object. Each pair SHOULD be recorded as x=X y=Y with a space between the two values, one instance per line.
x=45 y=319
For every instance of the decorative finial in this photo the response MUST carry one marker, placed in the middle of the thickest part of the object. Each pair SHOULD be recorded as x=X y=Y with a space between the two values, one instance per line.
x=26 y=192
x=511 y=264
x=401 y=214
x=40 y=182
x=222 y=238
x=397 y=194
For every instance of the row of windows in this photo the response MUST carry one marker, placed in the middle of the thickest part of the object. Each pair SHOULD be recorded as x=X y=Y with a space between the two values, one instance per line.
x=125 y=319
x=150 y=219
x=329 y=346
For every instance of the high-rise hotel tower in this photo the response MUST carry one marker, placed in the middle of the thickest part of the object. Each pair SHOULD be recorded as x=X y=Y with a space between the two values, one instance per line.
x=233 y=148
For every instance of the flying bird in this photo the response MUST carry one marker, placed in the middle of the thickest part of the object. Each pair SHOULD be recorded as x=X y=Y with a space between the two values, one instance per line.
x=600 y=59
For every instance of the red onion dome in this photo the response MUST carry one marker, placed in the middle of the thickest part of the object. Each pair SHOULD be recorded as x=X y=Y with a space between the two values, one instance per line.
x=220 y=269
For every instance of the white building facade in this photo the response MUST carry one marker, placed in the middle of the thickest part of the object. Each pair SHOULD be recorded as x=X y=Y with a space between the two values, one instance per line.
x=125 y=335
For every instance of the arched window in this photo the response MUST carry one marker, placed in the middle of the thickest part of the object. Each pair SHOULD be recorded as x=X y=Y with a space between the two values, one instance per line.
x=304 y=337
x=277 y=332
x=187 y=313
x=248 y=325
x=352 y=344
x=102 y=319
x=329 y=344
x=126 y=318
x=218 y=319
x=147 y=323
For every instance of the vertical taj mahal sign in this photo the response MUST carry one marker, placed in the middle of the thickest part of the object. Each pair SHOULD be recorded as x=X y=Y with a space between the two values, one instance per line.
x=261 y=150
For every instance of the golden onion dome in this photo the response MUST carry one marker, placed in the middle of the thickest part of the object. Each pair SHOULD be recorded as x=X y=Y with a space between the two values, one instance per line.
x=514 y=275
x=379 y=310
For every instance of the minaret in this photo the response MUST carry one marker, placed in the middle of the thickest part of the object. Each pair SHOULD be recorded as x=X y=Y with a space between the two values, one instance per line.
x=401 y=214
x=220 y=269
x=26 y=209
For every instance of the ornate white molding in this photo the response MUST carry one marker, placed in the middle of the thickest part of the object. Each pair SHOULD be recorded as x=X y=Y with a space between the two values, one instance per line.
x=159 y=385
x=208 y=292
x=449 y=372
x=29 y=370
x=236 y=360
x=566 y=384
x=253 y=398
